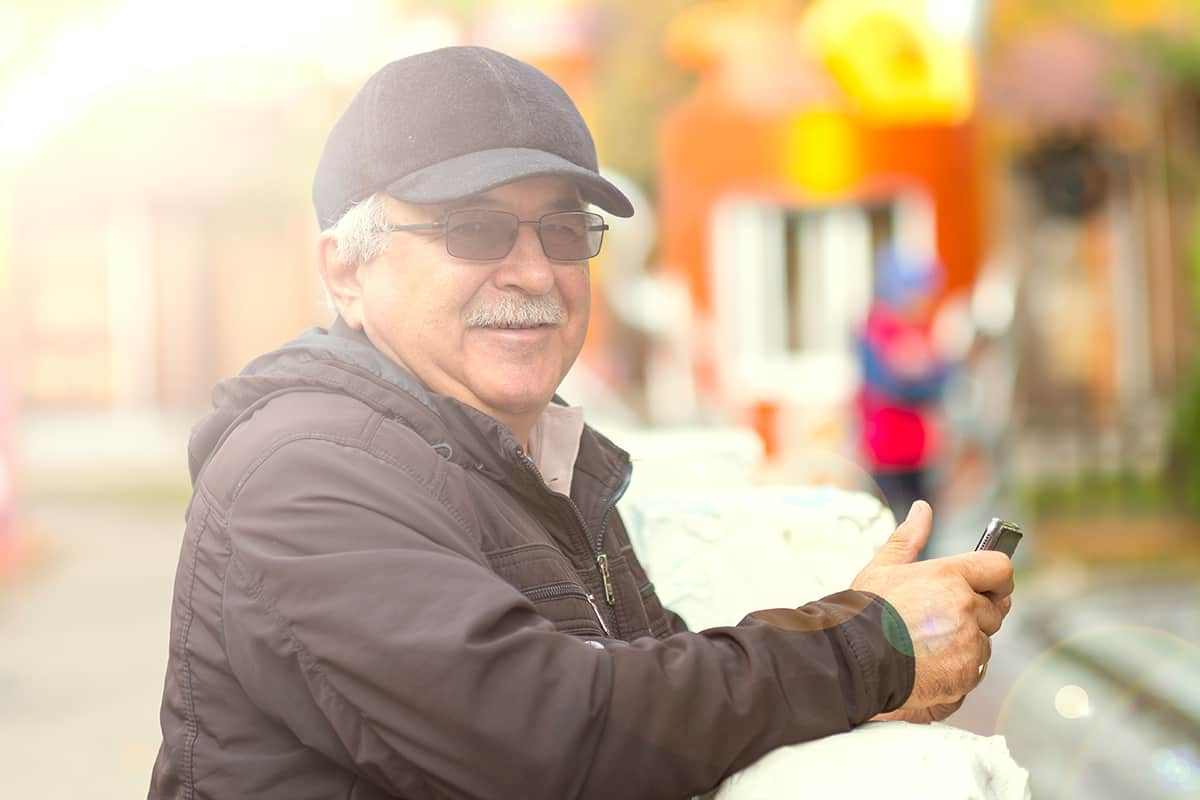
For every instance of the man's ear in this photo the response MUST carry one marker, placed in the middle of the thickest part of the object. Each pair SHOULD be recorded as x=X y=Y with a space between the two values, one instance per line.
x=341 y=281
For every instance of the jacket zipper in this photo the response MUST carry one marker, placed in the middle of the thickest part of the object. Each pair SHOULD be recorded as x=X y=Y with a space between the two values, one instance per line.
x=598 y=548
x=564 y=589
x=601 y=557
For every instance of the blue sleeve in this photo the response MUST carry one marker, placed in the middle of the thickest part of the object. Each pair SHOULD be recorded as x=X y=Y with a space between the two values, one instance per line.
x=924 y=389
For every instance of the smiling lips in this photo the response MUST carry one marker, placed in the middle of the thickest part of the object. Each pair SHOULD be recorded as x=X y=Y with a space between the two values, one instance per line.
x=519 y=326
x=517 y=332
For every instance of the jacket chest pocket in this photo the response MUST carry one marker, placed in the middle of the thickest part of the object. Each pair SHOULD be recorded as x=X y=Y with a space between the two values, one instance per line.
x=649 y=618
x=656 y=615
x=547 y=579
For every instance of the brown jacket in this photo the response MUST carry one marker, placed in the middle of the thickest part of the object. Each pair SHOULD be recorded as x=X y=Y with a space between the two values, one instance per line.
x=377 y=596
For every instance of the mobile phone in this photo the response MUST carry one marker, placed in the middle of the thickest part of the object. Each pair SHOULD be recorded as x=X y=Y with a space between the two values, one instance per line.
x=1000 y=535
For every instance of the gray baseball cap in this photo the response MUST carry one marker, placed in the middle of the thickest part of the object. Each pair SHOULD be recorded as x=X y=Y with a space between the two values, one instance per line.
x=449 y=123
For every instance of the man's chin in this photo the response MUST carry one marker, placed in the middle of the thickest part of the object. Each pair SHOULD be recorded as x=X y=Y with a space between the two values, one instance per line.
x=513 y=387
x=514 y=384
x=517 y=403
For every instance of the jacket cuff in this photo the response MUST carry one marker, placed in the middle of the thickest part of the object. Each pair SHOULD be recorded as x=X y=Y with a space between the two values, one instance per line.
x=876 y=653
x=879 y=640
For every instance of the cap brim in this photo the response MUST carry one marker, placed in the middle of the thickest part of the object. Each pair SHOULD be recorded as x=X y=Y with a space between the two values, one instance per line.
x=477 y=172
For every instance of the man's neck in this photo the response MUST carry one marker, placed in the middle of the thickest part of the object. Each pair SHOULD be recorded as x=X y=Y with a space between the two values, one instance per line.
x=520 y=425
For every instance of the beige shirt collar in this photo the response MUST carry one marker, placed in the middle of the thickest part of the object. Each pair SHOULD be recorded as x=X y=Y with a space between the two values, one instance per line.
x=554 y=445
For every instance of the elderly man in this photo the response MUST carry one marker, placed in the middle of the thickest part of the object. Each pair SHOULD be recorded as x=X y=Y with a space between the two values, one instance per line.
x=403 y=574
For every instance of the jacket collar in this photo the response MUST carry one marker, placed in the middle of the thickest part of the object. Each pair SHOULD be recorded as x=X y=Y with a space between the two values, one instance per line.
x=343 y=359
x=464 y=434
x=478 y=441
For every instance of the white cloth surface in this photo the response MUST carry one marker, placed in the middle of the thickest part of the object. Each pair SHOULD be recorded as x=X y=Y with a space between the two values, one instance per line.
x=885 y=761
x=716 y=555
x=717 y=547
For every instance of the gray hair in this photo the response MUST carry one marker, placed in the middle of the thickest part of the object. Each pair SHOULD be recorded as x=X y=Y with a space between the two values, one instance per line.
x=360 y=233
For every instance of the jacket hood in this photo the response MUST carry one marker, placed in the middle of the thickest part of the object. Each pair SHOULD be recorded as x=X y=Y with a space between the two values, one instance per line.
x=342 y=359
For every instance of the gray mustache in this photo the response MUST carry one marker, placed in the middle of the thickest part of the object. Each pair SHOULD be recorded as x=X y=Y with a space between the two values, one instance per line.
x=517 y=312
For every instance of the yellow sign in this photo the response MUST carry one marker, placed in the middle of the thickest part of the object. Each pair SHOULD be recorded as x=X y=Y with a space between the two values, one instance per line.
x=824 y=152
x=894 y=67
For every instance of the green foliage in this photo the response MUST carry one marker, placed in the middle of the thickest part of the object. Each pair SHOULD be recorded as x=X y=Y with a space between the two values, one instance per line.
x=1194 y=266
x=1183 y=443
x=1177 y=55
x=1100 y=495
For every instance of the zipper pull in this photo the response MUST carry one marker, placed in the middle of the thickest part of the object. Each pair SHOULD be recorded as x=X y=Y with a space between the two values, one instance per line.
x=600 y=618
x=602 y=561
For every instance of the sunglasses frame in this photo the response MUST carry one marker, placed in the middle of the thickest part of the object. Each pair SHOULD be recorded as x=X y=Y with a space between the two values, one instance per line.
x=601 y=226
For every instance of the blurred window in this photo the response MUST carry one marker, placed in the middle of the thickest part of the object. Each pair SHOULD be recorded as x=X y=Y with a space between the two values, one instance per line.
x=790 y=282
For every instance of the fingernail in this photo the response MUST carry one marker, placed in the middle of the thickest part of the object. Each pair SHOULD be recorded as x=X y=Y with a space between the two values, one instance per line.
x=911 y=509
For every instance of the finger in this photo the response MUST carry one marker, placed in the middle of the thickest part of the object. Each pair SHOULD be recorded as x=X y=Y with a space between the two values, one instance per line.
x=986 y=571
x=946 y=709
x=977 y=660
x=1003 y=602
x=988 y=615
x=986 y=657
x=907 y=540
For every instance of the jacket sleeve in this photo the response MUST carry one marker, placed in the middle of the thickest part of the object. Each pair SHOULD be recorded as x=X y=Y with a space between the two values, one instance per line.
x=360 y=613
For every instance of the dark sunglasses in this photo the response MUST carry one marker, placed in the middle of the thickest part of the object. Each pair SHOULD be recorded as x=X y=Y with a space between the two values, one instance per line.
x=486 y=235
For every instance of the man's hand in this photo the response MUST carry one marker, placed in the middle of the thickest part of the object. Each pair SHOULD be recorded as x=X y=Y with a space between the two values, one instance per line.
x=920 y=716
x=951 y=607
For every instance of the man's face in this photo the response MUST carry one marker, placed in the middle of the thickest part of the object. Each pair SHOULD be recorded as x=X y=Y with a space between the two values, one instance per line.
x=418 y=305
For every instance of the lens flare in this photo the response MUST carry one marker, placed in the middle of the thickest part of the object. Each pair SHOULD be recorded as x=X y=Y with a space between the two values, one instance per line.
x=1109 y=694
x=1071 y=702
x=1178 y=769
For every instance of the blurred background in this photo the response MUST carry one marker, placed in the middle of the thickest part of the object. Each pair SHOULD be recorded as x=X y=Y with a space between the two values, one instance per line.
x=946 y=248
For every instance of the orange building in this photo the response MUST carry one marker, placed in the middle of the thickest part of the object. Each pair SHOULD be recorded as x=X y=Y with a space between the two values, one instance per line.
x=810 y=141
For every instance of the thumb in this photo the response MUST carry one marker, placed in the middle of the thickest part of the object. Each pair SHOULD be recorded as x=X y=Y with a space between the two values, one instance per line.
x=907 y=540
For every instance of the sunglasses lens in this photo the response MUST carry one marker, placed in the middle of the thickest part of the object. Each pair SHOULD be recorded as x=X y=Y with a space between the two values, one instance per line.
x=571 y=235
x=483 y=235
x=480 y=235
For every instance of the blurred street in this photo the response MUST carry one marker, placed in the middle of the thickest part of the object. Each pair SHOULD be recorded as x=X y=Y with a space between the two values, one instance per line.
x=1092 y=682
x=83 y=633
x=83 y=630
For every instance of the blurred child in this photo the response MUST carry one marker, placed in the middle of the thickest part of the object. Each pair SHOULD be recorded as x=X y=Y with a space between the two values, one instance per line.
x=903 y=379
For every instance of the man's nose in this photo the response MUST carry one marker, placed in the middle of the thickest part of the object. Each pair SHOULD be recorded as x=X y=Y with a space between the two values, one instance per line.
x=526 y=266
